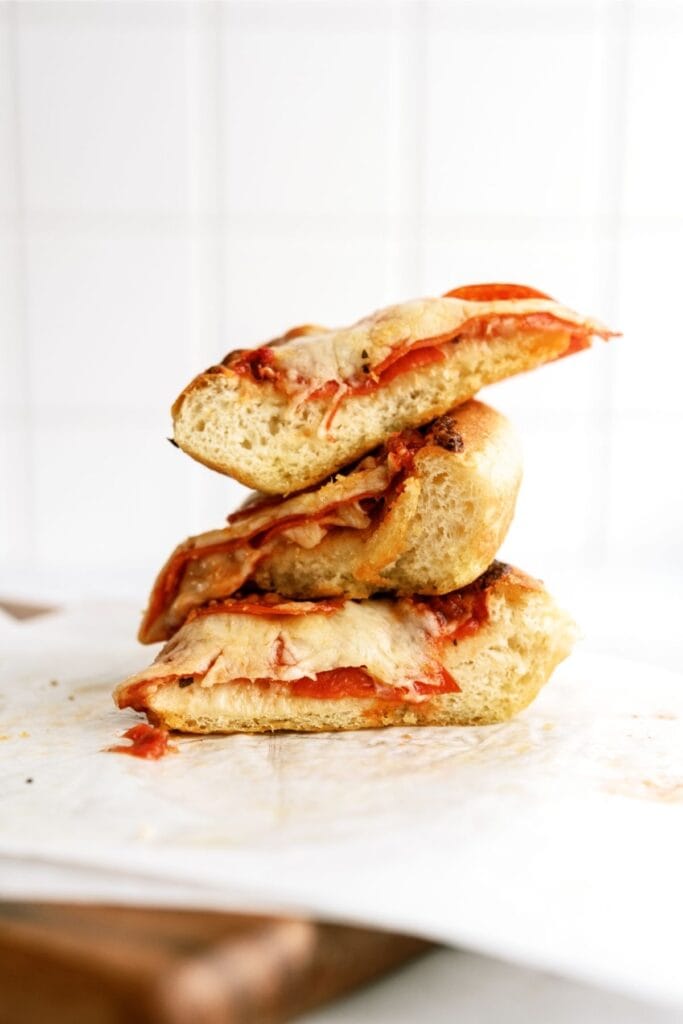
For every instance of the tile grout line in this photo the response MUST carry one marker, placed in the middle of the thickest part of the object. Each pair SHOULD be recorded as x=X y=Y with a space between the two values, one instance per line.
x=418 y=183
x=409 y=219
x=222 y=27
x=195 y=263
x=394 y=268
x=219 y=255
x=207 y=229
x=254 y=14
x=27 y=541
x=616 y=30
x=211 y=225
x=195 y=269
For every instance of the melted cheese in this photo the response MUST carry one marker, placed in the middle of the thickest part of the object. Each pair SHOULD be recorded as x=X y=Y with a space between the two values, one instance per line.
x=371 y=478
x=218 y=562
x=339 y=355
x=396 y=641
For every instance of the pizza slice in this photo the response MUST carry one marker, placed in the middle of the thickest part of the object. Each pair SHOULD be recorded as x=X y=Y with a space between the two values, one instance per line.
x=425 y=513
x=291 y=413
x=475 y=656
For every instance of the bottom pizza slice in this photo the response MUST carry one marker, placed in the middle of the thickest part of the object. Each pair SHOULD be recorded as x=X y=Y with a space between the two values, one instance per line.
x=262 y=663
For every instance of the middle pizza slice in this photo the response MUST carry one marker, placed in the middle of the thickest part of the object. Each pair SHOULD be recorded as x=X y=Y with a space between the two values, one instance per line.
x=425 y=513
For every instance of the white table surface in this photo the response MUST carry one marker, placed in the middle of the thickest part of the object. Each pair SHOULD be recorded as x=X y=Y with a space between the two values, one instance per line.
x=452 y=987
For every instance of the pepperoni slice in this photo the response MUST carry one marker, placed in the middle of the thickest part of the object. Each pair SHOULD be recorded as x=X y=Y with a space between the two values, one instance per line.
x=493 y=292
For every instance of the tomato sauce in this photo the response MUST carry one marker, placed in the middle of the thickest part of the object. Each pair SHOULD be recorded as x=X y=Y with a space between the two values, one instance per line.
x=135 y=695
x=257 y=361
x=413 y=360
x=358 y=682
x=461 y=613
x=147 y=741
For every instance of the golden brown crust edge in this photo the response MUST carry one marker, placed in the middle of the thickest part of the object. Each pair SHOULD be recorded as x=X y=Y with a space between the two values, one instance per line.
x=448 y=537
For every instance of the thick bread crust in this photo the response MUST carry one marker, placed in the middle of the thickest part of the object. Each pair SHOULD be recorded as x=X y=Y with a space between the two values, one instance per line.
x=255 y=433
x=439 y=532
x=499 y=669
x=440 y=541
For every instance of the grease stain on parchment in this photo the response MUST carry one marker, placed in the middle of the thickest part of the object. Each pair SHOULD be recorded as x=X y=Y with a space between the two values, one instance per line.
x=660 y=790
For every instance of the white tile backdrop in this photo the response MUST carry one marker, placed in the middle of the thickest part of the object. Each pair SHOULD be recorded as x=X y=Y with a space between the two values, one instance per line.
x=180 y=179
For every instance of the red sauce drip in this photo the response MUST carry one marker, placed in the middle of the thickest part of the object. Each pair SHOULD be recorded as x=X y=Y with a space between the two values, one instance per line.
x=148 y=741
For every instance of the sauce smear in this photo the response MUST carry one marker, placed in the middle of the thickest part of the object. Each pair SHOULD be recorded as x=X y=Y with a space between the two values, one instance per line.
x=148 y=741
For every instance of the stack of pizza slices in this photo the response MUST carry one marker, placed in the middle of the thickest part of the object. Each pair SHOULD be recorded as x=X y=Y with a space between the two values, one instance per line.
x=358 y=586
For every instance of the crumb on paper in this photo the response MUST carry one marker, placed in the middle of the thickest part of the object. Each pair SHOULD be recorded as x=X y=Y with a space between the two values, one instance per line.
x=23 y=735
x=146 y=832
x=54 y=682
x=548 y=726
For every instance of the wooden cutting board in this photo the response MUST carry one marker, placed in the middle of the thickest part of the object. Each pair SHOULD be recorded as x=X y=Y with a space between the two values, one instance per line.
x=112 y=965
x=68 y=964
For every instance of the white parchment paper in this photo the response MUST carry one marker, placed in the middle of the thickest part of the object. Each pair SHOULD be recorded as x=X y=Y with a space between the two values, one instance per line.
x=554 y=840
